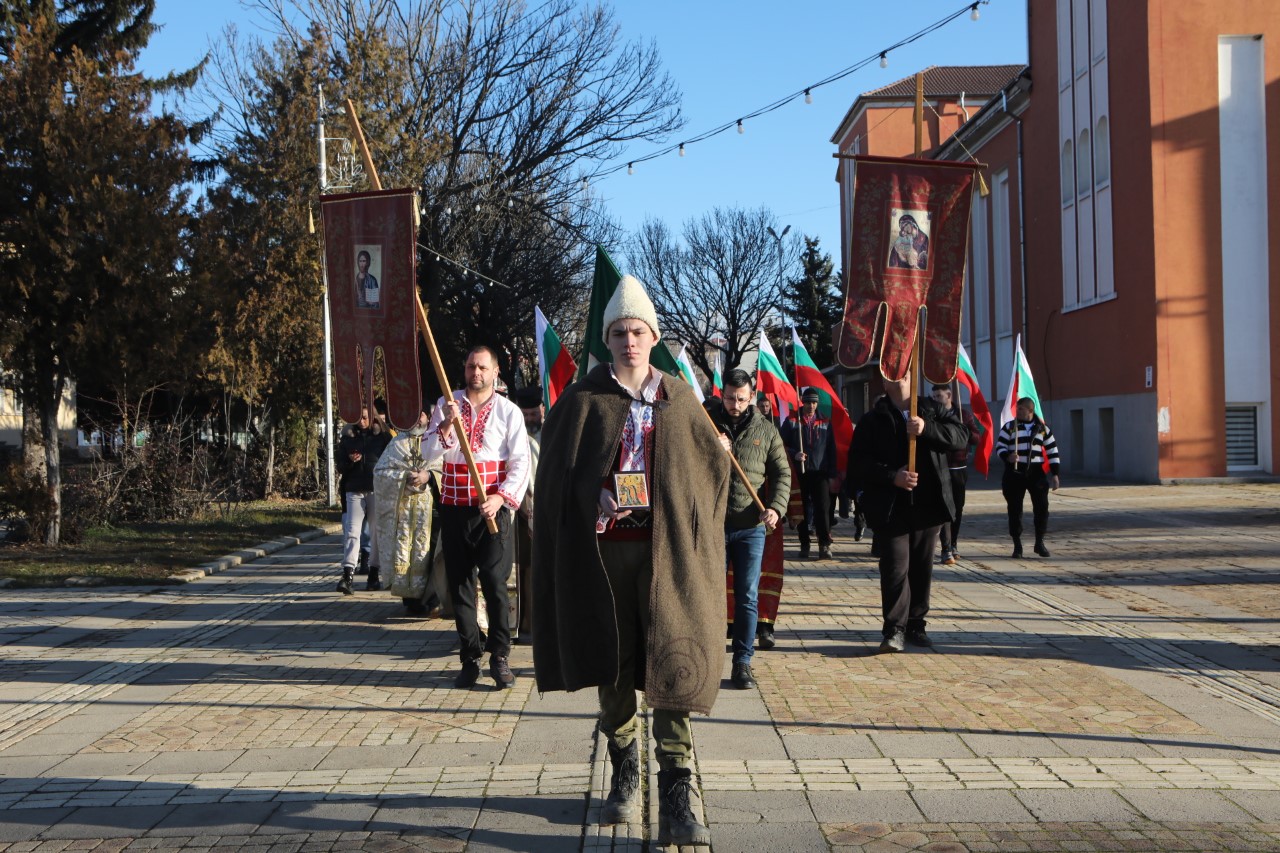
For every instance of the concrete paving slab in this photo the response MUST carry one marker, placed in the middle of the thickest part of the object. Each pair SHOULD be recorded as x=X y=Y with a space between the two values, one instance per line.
x=204 y=761
x=97 y=765
x=915 y=745
x=1197 y=806
x=757 y=807
x=853 y=806
x=45 y=745
x=545 y=741
x=214 y=819
x=452 y=815
x=970 y=806
x=1263 y=805
x=830 y=746
x=1076 y=805
x=361 y=757
x=1012 y=745
x=26 y=765
x=802 y=837
x=348 y=816
x=1214 y=746
x=539 y=815
x=458 y=754
x=108 y=822
x=26 y=824
x=1103 y=746
x=296 y=758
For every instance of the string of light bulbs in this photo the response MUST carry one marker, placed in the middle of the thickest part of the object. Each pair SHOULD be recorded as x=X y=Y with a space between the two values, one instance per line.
x=807 y=92
x=445 y=259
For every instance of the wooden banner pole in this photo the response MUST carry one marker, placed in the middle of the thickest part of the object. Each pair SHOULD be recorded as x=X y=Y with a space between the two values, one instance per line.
x=742 y=475
x=421 y=313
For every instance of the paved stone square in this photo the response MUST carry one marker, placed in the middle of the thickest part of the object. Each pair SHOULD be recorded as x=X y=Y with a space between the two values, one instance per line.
x=1123 y=694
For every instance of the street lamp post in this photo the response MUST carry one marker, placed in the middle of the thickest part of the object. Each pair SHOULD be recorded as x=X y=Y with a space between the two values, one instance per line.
x=777 y=238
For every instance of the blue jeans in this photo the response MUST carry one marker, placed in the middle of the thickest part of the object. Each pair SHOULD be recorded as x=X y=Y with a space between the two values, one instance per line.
x=744 y=548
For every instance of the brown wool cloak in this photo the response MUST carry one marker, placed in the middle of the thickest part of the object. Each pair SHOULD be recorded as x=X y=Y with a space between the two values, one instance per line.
x=575 y=634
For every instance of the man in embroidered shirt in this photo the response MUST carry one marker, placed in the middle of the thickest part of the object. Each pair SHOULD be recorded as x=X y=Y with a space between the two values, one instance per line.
x=631 y=596
x=496 y=432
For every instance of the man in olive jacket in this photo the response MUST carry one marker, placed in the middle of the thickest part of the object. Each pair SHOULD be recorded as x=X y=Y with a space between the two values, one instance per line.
x=906 y=509
x=628 y=592
x=759 y=449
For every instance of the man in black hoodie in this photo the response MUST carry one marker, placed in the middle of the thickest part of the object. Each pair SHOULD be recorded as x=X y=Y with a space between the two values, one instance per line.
x=906 y=509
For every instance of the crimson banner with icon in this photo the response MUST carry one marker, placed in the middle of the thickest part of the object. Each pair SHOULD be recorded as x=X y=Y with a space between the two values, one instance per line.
x=370 y=255
x=908 y=248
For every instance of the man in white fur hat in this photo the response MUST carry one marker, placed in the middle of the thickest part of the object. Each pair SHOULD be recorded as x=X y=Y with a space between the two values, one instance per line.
x=628 y=563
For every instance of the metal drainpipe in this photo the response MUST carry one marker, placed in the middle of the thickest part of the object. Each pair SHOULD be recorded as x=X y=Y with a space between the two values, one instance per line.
x=1022 y=212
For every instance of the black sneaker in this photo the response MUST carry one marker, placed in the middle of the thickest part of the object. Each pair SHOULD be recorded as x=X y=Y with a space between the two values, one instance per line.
x=1041 y=550
x=500 y=671
x=469 y=675
x=918 y=637
x=764 y=637
x=895 y=642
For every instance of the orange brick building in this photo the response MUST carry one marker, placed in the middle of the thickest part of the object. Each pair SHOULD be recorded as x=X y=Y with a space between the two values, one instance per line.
x=1128 y=234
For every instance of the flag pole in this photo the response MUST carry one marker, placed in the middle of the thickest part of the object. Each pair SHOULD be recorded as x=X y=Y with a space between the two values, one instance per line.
x=800 y=411
x=912 y=368
x=421 y=314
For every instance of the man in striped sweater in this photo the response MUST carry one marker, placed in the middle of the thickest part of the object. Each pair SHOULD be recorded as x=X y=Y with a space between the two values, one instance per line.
x=1027 y=445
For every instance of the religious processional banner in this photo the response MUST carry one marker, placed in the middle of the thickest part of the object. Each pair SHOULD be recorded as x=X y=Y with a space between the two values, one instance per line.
x=370 y=255
x=908 y=249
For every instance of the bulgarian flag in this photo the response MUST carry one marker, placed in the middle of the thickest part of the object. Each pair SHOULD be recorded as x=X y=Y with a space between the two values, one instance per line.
x=829 y=405
x=771 y=379
x=1021 y=385
x=594 y=350
x=686 y=371
x=555 y=365
x=717 y=380
x=967 y=377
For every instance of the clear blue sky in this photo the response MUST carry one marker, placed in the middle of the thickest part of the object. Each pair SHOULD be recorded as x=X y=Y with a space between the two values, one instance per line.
x=729 y=58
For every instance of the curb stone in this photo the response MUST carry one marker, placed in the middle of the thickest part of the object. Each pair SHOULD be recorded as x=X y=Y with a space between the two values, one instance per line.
x=248 y=555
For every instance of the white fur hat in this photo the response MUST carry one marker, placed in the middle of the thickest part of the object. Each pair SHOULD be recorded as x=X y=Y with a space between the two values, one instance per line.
x=630 y=302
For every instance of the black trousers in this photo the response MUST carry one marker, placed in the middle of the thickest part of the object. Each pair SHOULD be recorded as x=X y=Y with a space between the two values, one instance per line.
x=1015 y=485
x=906 y=577
x=950 y=534
x=470 y=549
x=815 y=490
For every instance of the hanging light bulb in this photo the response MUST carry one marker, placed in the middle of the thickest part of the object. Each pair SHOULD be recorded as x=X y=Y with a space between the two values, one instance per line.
x=741 y=129
x=477 y=207
x=973 y=14
x=631 y=169
x=681 y=149
x=437 y=259
x=448 y=211
x=808 y=98
x=884 y=61
x=511 y=202
x=584 y=184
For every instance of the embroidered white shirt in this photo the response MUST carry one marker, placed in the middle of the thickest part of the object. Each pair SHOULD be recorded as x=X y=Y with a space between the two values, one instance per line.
x=499 y=443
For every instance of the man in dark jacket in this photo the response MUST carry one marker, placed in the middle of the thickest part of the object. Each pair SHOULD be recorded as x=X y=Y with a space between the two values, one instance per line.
x=905 y=508
x=759 y=450
x=356 y=460
x=812 y=444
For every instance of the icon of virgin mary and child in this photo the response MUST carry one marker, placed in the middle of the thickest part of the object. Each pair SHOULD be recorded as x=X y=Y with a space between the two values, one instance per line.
x=910 y=249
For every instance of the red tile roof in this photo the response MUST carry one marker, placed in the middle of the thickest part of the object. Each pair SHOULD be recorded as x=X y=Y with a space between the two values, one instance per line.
x=941 y=80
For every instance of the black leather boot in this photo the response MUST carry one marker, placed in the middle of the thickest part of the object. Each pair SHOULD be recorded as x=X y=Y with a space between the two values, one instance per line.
x=624 y=787
x=348 y=575
x=375 y=580
x=676 y=822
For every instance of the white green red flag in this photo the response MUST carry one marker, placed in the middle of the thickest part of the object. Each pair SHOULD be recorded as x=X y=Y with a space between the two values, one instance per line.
x=829 y=405
x=967 y=376
x=1021 y=385
x=717 y=379
x=555 y=365
x=771 y=380
x=686 y=371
